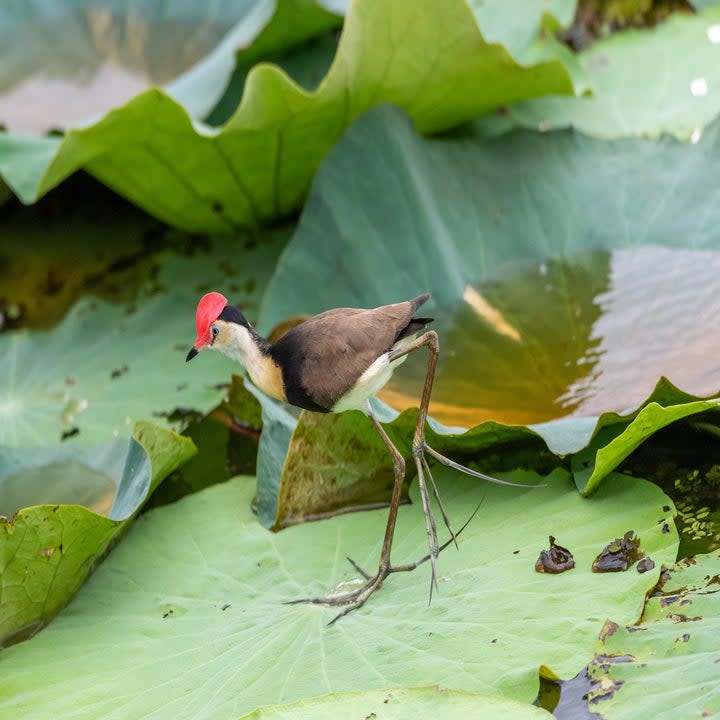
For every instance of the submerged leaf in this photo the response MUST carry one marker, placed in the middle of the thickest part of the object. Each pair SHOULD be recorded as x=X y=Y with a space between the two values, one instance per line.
x=204 y=611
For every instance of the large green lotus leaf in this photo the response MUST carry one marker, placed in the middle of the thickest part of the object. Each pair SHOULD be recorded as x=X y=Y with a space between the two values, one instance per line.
x=528 y=36
x=644 y=82
x=429 y=58
x=668 y=666
x=446 y=206
x=61 y=510
x=186 y=619
x=392 y=214
x=106 y=365
x=400 y=704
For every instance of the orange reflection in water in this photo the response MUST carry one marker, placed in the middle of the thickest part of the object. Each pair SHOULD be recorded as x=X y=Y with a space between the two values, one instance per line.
x=582 y=336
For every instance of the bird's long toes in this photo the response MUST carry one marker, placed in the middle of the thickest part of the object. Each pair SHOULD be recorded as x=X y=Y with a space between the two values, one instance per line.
x=358 y=601
x=438 y=500
x=469 y=471
x=351 y=599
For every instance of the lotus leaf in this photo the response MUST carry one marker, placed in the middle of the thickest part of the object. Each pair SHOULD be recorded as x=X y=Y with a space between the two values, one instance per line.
x=644 y=82
x=400 y=704
x=429 y=58
x=667 y=666
x=186 y=618
x=47 y=550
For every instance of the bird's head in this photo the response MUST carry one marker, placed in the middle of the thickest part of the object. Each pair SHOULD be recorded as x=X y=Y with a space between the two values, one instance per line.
x=212 y=324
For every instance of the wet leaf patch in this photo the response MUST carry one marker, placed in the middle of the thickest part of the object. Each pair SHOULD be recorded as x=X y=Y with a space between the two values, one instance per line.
x=113 y=364
x=669 y=664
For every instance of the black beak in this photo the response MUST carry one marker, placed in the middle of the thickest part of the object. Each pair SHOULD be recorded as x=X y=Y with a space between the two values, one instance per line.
x=193 y=352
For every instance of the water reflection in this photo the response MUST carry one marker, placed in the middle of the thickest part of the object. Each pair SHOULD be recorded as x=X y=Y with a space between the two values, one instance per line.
x=659 y=316
x=580 y=336
x=67 y=65
x=67 y=482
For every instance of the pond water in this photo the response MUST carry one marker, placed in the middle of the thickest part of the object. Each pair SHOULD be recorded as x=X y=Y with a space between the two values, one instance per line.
x=576 y=337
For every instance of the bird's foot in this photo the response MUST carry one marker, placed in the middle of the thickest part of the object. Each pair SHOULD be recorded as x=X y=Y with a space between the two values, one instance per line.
x=469 y=471
x=353 y=599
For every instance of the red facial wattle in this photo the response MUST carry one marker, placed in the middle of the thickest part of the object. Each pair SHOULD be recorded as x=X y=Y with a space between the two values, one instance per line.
x=208 y=311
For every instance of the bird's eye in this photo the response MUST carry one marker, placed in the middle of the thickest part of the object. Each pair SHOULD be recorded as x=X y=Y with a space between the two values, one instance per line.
x=214 y=330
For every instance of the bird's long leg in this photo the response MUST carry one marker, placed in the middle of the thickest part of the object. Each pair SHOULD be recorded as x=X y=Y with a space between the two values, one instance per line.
x=354 y=599
x=429 y=339
x=419 y=447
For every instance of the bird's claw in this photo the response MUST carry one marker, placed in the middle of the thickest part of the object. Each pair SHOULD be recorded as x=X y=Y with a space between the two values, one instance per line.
x=358 y=568
x=352 y=599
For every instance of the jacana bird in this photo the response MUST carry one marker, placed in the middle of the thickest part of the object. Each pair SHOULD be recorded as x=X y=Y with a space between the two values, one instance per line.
x=332 y=362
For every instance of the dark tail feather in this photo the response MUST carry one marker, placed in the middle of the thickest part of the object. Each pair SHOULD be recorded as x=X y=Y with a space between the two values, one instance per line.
x=414 y=326
x=419 y=300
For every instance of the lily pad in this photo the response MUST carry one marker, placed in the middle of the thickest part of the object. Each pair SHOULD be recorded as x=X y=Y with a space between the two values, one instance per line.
x=115 y=363
x=204 y=610
x=259 y=165
x=48 y=550
x=400 y=704
x=677 y=639
x=644 y=82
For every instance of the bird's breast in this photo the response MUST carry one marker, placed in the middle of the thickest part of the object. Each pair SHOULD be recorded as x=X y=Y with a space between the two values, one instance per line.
x=269 y=378
x=368 y=384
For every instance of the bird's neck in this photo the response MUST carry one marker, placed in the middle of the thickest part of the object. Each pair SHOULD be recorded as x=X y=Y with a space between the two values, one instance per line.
x=253 y=352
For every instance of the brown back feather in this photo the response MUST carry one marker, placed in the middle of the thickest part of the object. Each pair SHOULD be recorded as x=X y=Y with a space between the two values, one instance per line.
x=324 y=356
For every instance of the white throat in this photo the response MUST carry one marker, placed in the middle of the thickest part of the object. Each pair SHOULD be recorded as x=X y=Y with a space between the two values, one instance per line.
x=242 y=347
